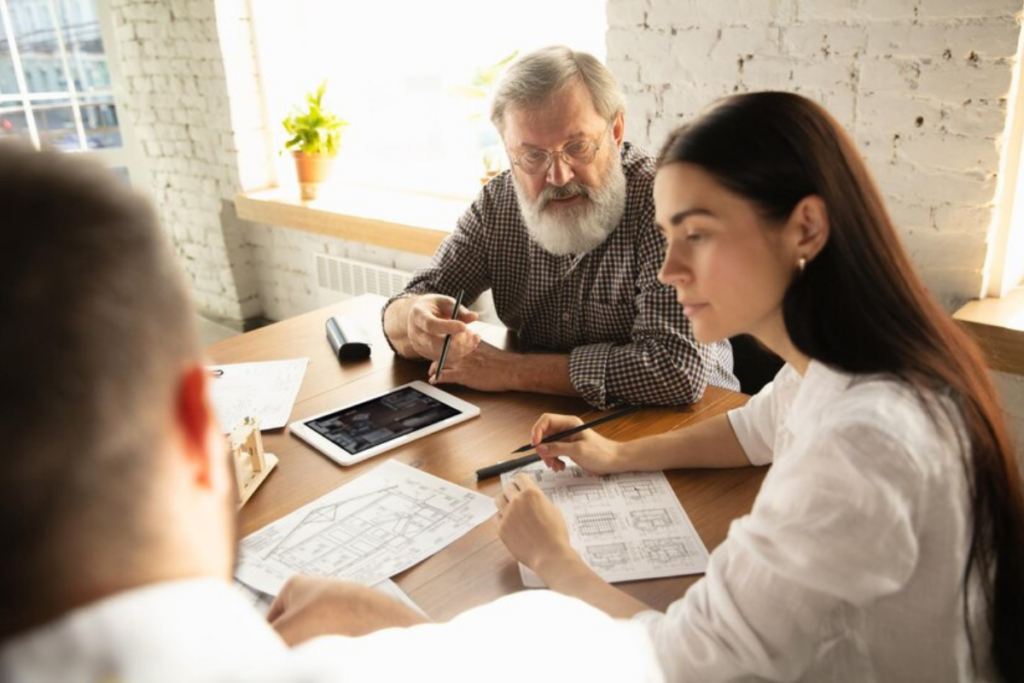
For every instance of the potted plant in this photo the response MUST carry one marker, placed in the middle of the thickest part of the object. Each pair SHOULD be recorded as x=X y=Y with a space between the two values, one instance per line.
x=315 y=135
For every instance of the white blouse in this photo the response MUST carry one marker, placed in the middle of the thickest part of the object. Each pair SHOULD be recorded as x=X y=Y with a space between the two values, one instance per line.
x=850 y=565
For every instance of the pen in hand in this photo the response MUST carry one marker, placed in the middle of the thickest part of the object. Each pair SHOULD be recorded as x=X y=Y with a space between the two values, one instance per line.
x=448 y=337
x=506 y=466
x=579 y=428
x=516 y=463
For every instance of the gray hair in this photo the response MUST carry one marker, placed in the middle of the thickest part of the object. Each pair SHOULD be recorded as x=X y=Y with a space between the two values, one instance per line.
x=536 y=77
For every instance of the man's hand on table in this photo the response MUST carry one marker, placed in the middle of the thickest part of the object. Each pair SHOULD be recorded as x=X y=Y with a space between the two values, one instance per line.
x=486 y=368
x=309 y=606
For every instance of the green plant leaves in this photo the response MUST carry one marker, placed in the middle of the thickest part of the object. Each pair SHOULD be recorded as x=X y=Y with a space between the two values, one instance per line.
x=314 y=130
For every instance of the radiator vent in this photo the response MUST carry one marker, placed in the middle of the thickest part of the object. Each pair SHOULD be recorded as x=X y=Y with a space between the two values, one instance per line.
x=340 y=278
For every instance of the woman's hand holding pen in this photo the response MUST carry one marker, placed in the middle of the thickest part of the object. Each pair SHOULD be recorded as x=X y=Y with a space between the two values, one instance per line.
x=532 y=528
x=588 y=449
x=430 y=321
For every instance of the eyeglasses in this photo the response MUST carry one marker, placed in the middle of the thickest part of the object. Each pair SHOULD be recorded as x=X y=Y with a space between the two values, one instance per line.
x=577 y=153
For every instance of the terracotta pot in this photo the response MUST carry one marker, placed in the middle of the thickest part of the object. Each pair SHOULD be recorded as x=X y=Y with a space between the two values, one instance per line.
x=313 y=170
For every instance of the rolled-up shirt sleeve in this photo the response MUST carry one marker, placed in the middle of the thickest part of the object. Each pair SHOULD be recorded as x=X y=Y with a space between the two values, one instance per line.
x=662 y=364
x=833 y=529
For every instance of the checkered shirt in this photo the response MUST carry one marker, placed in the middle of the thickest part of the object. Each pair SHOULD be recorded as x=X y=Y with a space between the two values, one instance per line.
x=627 y=337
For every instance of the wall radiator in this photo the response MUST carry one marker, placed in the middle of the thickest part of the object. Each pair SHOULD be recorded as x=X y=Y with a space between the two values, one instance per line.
x=340 y=278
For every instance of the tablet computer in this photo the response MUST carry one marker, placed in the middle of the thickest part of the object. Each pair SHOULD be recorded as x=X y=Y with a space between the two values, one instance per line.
x=357 y=431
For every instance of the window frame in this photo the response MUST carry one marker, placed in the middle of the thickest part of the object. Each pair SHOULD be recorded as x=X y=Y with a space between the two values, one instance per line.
x=128 y=155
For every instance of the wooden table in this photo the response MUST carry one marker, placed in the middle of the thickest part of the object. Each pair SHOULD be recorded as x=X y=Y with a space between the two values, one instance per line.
x=476 y=568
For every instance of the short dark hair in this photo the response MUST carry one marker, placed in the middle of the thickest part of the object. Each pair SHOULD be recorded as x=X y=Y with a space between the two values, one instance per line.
x=95 y=328
x=861 y=307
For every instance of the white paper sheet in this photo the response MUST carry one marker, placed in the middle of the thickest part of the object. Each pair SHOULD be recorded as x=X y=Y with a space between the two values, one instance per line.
x=265 y=390
x=625 y=526
x=261 y=601
x=367 y=530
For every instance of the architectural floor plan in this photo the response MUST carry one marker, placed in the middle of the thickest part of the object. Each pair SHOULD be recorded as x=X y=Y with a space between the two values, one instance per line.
x=625 y=526
x=367 y=530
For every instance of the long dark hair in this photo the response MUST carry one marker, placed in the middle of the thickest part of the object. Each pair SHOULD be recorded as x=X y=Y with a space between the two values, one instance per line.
x=860 y=306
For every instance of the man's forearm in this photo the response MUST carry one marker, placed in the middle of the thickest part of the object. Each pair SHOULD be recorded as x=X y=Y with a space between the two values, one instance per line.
x=545 y=373
x=396 y=326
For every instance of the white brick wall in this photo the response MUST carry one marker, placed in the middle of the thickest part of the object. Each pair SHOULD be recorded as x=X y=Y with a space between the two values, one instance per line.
x=921 y=85
x=177 y=96
x=285 y=268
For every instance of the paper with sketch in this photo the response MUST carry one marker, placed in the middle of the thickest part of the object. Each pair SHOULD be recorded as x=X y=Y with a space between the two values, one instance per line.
x=367 y=530
x=264 y=390
x=262 y=601
x=625 y=526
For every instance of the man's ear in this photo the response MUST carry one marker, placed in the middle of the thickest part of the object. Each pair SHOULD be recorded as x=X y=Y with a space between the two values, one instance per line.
x=808 y=227
x=619 y=128
x=196 y=426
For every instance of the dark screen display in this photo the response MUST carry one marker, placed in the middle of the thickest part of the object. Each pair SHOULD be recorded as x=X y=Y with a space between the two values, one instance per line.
x=380 y=420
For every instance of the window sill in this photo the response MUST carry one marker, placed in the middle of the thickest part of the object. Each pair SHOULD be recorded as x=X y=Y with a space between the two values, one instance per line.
x=404 y=221
x=998 y=326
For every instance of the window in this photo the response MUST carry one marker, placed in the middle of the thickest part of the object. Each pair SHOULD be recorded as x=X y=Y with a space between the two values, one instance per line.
x=56 y=85
x=1004 y=265
x=398 y=73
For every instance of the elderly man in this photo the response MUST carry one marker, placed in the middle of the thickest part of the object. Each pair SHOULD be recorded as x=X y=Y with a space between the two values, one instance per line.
x=117 y=501
x=566 y=242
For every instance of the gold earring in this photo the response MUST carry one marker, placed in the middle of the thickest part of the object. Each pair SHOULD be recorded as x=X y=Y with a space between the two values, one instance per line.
x=801 y=264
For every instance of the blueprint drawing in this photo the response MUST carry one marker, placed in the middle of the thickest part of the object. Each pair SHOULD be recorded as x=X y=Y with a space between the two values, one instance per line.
x=625 y=526
x=368 y=530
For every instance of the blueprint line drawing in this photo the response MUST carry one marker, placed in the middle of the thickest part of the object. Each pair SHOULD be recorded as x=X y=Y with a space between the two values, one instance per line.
x=608 y=557
x=637 y=489
x=596 y=524
x=650 y=520
x=367 y=530
x=625 y=526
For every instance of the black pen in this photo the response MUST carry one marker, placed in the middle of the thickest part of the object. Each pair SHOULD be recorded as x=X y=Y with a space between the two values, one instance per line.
x=448 y=337
x=586 y=425
x=506 y=466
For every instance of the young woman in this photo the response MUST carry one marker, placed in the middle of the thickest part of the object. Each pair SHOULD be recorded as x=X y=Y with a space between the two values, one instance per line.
x=887 y=541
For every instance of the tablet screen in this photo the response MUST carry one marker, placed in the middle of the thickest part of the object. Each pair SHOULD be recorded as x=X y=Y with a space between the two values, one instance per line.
x=381 y=419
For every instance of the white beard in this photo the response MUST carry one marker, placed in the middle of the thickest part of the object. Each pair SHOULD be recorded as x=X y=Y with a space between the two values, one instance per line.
x=581 y=228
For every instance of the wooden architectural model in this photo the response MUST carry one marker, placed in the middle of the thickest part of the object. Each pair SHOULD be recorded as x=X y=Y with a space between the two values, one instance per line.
x=252 y=465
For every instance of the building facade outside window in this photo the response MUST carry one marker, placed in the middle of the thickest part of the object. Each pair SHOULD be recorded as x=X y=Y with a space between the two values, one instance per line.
x=58 y=82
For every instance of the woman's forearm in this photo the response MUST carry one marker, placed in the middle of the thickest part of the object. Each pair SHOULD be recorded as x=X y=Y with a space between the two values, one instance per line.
x=569 y=575
x=710 y=443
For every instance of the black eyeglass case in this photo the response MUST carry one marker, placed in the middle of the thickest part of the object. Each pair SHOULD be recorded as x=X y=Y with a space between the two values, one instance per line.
x=347 y=338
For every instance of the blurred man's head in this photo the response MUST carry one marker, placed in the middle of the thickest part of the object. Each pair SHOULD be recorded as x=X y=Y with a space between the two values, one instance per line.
x=561 y=116
x=99 y=381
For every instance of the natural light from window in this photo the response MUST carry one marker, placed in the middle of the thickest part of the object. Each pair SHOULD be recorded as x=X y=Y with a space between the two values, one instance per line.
x=1004 y=264
x=399 y=73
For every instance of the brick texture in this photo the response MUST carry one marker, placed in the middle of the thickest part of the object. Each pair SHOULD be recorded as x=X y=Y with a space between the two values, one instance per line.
x=920 y=84
x=188 y=120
